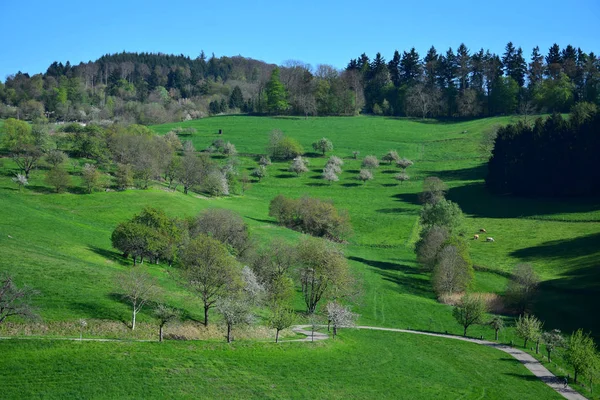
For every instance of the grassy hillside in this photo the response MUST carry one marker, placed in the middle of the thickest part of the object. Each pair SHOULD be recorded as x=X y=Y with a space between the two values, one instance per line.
x=401 y=366
x=60 y=244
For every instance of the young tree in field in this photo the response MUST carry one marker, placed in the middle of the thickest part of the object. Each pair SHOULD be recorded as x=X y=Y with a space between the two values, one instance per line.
x=581 y=353
x=355 y=154
x=329 y=174
x=365 y=175
x=434 y=190
x=59 y=178
x=323 y=272
x=497 y=324
x=164 y=315
x=402 y=177
x=335 y=160
x=16 y=301
x=282 y=317
x=208 y=270
x=522 y=286
x=264 y=160
x=453 y=271
x=259 y=173
x=470 y=311
x=528 y=327
x=404 y=163
x=429 y=245
x=21 y=143
x=90 y=176
x=298 y=166
x=55 y=157
x=442 y=213
x=323 y=145
x=370 y=162
x=138 y=287
x=235 y=311
x=391 y=156
x=245 y=182
x=190 y=170
x=552 y=340
x=124 y=176
x=229 y=149
x=21 y=181
x=340 y=316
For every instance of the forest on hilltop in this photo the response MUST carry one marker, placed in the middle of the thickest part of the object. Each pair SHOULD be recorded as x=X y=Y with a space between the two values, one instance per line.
x=150 y=88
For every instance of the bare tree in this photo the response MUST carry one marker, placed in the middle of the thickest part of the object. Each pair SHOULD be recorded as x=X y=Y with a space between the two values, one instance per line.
x=340 y=316
x=434 y=189
x=402 y=177
x=522 y=286
x=224 y=225
x=452 y=273
x=423 y=101
x=429 y=245
x=138 y=287
x=391 y=156
x=403 y=163
x=190 y=170
x=15 y=301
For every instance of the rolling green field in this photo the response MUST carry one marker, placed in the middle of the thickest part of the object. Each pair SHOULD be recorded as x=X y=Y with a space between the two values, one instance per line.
x=400 y=366
x=60 y=244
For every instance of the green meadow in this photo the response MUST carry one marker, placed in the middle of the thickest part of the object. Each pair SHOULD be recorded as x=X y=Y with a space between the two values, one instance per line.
x=60 y=244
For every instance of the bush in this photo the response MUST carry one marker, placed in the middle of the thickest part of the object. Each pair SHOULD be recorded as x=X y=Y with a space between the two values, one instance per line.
x=282 y=147
x=312 y=216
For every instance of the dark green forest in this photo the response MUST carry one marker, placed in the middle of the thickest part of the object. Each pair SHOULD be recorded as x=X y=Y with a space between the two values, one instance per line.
x=149 y=88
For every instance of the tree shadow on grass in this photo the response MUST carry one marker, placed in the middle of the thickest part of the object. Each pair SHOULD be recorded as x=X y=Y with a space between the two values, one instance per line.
x=350 y=184
x=317 y=184
x=476 y=200
x=41 y=189
x=93 y=310
x=265 y=221
x=285 y=176
x=389 y=184
x=568 y=302
x=110 y=255
x=390 y=171
x=408 y=280
x=411 y=198
x=397 y=210
x=352 y=171
x=464 y=174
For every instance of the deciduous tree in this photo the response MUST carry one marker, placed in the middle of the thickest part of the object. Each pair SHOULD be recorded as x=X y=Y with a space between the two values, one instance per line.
x=470 y=311
x=138 y=287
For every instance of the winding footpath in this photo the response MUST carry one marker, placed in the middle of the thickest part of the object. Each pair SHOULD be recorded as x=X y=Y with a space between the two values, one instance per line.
x=527 y=360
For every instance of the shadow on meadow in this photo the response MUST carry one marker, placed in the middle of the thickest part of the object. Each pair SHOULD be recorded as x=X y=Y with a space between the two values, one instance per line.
x=111 y=255
x=463 y=174
x=398 y=210
x=569 y=302
x=408 y=279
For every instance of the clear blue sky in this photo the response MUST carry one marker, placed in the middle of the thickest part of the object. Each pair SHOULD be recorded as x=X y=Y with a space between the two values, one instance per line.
x=36 y=33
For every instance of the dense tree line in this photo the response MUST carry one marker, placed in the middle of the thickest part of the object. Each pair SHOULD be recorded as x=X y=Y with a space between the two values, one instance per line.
x=153 y=88
x=469 y=83
x=552 y=157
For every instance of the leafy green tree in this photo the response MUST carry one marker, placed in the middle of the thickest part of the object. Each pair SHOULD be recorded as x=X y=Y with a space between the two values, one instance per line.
x=469 y=311
x=91 y=177
x=59 y=178
x=19 y=140
x=282 y=317
x=581 y=353
x=528 y=327
x=434 y=190
x=131 y=239
x=323 y=145
x=443 y=213
x=555 y=95
x=124 y=176
x=497 y=324
x=276 y=93
x=504 y=96
x=208 y=270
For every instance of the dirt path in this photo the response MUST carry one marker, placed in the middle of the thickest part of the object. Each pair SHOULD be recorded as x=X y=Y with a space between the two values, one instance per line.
x=527 y=360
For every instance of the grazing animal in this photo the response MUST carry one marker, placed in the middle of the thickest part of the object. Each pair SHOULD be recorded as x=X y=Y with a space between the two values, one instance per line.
x=489 y=239
x=482 y=230
x=476 y=237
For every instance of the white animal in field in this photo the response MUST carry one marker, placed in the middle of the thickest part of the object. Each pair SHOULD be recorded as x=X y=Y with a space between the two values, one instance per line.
x=489 y=239
x=475 y=237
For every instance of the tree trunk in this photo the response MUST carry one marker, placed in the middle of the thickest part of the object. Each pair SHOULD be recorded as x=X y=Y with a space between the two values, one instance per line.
x=465 y=331
x=537 y=347
x=496 y=335
x=206 y=315
x=575 y=378
x=334 y=330
x=525 y=344
x=277 y=336
x=228 y=333
x=160 y=333
x=549 y=360
x=133 y=319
